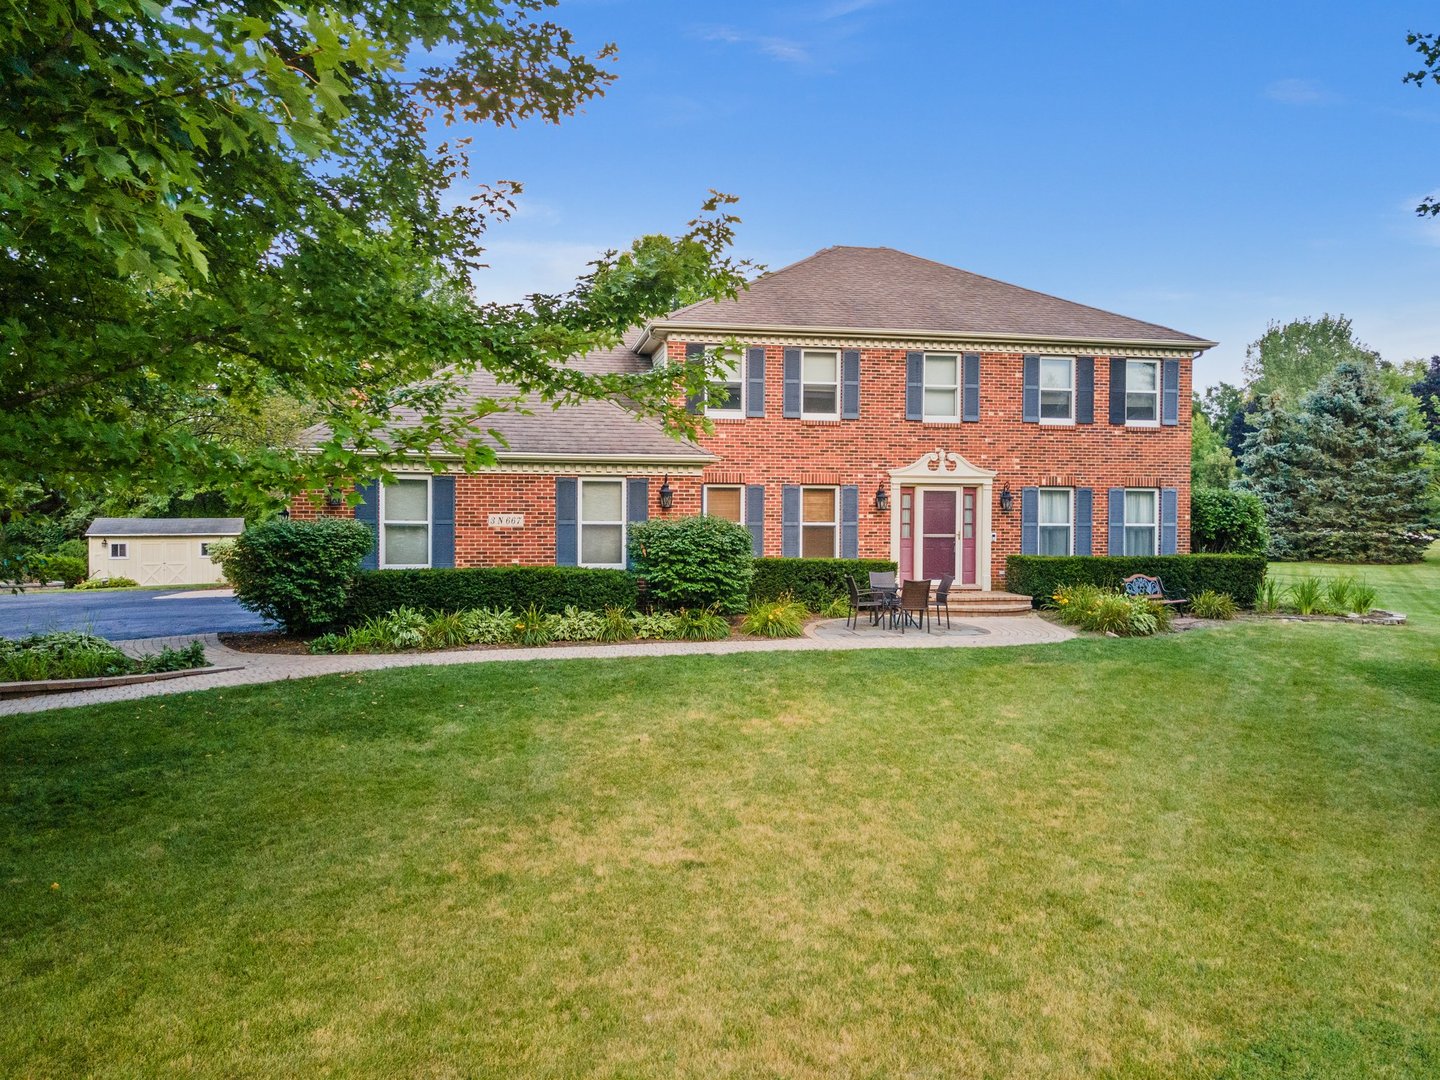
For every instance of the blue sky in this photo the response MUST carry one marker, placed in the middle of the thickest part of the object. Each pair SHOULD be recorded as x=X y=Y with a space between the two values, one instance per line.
x=1210 y=168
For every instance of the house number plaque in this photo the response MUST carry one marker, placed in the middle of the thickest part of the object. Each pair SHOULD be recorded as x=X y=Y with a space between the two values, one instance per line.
x=507 y=521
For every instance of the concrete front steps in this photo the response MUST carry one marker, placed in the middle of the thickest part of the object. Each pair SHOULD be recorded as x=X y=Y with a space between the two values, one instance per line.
x=988 y=603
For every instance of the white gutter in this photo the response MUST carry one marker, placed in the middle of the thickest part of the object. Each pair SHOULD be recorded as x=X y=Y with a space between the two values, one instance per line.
x=663 y=327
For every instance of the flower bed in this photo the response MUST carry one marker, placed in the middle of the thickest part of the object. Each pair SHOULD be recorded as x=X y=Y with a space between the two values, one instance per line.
x=68 y=654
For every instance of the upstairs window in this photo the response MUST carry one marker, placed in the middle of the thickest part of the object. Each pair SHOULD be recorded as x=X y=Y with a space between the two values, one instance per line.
x=820 y=384
x=727 y=396
x=1142 y=392
x=942 y=387
x=1057 y=389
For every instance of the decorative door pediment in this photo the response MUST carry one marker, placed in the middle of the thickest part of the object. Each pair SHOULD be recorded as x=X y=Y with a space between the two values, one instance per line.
x=943 y=466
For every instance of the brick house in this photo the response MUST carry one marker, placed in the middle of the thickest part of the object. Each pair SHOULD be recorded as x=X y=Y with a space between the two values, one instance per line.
x=882 y=405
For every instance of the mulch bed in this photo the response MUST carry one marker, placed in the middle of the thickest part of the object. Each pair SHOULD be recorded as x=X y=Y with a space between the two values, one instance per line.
x=276 y=643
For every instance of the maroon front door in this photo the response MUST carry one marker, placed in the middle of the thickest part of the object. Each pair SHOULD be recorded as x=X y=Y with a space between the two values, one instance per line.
x=967 y=536
x=937 y=533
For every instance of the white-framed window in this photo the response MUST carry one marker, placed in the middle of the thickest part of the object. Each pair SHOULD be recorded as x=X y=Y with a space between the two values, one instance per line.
x=204 y=549
x=405 y=523
x=119 y=551
x=1142 y=519
x=942 y=386
x=729 y=381
x=820 y=384
x=602 y=523
x=819 y=522
x=1056 y=519
x=1142 y=391
x=1057 y=389
x=725 y=501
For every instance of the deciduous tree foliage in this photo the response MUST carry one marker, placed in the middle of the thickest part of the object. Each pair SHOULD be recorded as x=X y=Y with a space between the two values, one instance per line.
x=209 y=206
x=1428 y=46
x=1290 y=359
x=1343 y=477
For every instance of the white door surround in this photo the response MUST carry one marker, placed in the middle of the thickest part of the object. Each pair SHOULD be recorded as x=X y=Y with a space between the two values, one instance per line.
x=942 y=468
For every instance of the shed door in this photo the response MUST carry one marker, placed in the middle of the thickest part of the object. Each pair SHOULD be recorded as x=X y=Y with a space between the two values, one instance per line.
x=163 y=562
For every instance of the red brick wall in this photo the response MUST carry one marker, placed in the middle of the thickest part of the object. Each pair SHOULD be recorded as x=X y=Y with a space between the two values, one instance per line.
x=774 y=451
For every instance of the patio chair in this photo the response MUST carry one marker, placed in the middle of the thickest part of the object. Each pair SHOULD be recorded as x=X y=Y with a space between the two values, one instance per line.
x=868 y=600
x=915 y=603
x=942 y=599
x=883 y=582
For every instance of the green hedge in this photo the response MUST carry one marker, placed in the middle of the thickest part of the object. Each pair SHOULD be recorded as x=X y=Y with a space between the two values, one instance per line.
x=550 y=588
x=814 y=582
x=1184 y=575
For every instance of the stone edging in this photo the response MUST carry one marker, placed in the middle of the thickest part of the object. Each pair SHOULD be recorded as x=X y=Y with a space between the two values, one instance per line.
x=37 y=687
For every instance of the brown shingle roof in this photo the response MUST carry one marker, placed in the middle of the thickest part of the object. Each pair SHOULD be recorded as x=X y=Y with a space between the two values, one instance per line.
x=585 y=430
x=877 y=288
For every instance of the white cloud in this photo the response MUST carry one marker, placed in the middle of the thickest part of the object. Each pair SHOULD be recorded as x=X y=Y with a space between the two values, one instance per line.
x=518 y=268
x=838 y=9
x=777 y=48
x=1299 y=92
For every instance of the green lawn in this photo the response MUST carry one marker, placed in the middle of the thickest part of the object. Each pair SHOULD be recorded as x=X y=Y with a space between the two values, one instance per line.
x=1213 y=854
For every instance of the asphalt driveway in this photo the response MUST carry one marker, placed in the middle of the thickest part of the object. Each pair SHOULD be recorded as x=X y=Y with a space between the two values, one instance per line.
x=136 y=613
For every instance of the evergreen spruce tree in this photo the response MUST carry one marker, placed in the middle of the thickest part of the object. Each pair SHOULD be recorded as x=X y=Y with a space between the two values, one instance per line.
x=1344 y=478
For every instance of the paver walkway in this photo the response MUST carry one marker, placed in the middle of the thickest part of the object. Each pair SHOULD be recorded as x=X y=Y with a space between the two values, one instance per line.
x=273 y=667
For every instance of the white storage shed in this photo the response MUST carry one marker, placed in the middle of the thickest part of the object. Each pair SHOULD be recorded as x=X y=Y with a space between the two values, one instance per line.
x=159 y=551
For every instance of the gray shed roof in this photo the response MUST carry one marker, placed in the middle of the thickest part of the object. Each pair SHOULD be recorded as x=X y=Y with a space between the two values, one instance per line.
x=878 y=288
x=106 y=526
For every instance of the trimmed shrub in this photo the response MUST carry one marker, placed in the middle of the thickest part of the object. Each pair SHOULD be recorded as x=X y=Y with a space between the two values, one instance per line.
x=693 y=562
x=1223 y=521
x=64 y=568
x=812 y=582
x=298 y=573
x=1185 y=575
x=550 y=588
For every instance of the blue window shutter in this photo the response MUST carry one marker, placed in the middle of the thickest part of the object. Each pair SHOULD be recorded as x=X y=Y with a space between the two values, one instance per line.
x=1029 y=521
x=567 y=521
x=791 y=403
x=970 y=389
x=1030 y=400
x=755 y=516
x=1084 y=389
x=915 y=386
x=850 y=384
x=694 y=354
x=849 y=521
x=637 y=507
x=1115 y=541
x=442 y=521
x=1170 y=393
x=1084 y=520
x=1117 y=390
x=790 y=521
x=1169 y=520
x=367 y=512
x=755 y=381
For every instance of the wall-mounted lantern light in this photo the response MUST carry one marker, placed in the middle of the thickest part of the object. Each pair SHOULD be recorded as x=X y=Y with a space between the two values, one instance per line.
x=285 y=513
x=333 y=496
x=882 y=498
x=667 y=496
x=1007 y=500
